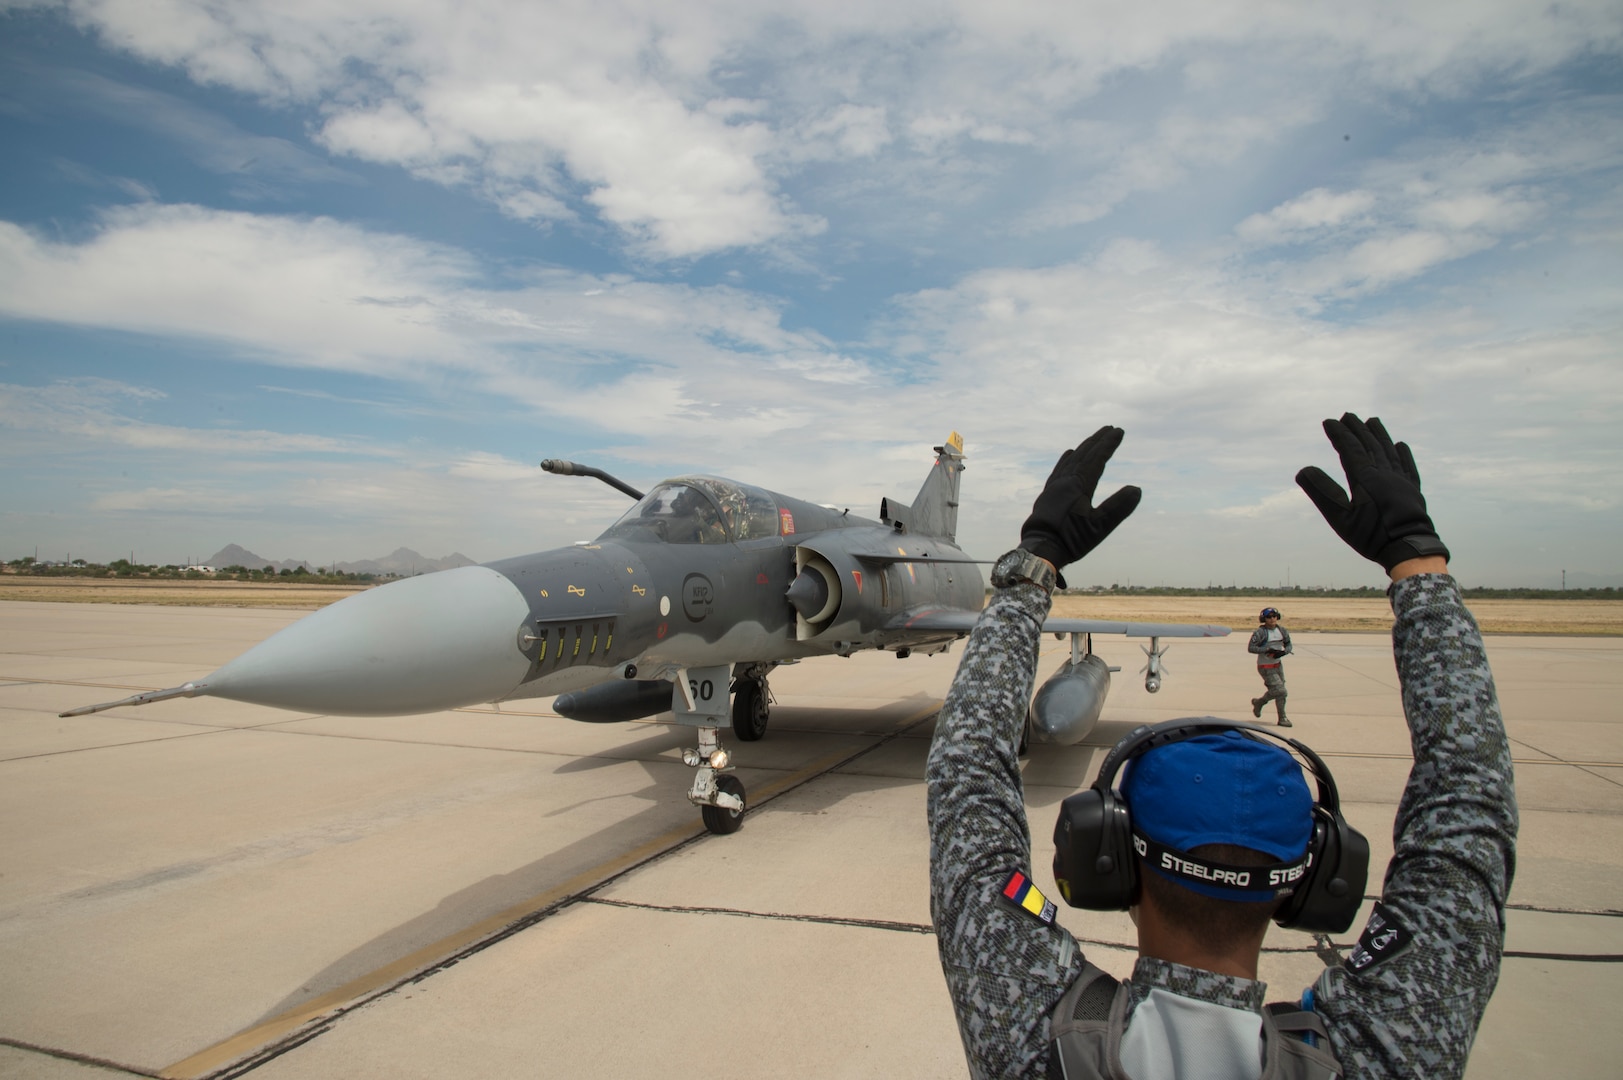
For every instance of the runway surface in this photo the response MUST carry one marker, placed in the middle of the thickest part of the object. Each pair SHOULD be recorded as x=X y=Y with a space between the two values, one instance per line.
x=207 y=889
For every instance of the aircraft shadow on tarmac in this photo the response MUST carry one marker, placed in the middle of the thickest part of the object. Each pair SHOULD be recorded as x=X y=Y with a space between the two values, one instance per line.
x=489 y=896
x=479 y=901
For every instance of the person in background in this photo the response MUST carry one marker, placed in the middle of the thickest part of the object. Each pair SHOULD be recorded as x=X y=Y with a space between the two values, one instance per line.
x=1272 y=643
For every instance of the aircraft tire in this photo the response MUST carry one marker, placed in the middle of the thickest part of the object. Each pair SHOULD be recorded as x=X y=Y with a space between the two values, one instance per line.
x=750 y=710
x=719 y=819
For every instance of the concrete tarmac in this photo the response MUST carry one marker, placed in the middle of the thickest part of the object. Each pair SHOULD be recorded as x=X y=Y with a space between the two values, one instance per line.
x=206 y=889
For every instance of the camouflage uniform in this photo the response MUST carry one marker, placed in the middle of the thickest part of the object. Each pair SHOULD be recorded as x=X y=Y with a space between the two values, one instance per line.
x=1413 y=1011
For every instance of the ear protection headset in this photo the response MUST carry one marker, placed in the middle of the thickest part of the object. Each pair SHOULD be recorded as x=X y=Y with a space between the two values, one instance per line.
x=1096 y=852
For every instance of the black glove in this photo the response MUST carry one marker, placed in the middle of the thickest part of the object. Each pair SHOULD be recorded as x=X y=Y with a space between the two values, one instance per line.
x=1275 y=653
x=1064 y=524
x=1385 y=520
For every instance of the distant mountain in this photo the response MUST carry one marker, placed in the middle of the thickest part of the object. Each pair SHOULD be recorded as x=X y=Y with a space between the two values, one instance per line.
x=405 y=562
x=232 y=555
x=401 y=561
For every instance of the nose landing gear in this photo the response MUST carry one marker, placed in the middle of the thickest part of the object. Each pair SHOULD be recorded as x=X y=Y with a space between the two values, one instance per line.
x=719 y=796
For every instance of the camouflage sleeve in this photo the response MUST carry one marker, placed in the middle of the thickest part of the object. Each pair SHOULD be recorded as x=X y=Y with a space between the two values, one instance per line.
x=1259 y=639
x=1005 y=968
x=1409 y=998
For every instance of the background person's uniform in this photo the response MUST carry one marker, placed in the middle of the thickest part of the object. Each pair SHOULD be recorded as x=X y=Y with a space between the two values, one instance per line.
x=1409 y=1008
x=1264 y=642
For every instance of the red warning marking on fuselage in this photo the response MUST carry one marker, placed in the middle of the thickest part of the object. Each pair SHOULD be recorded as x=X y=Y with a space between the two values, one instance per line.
x=660 y=633
x=762 y=579
x=856 y=576
x=786 y=522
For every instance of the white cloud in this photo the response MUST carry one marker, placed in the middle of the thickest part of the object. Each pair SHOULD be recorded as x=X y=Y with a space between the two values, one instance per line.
x=1435 y=201
x=1288 y=501
x=612 y=353
x=678 y=125
x=319 y=293
x=91 y=412
x=1306 y=215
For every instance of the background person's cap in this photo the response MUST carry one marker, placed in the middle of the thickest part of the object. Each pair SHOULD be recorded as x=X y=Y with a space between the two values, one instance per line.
x=1222 y=788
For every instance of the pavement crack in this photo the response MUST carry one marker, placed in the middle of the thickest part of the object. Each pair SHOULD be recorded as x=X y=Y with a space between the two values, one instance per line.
x=81 y=1059
x=779 y=916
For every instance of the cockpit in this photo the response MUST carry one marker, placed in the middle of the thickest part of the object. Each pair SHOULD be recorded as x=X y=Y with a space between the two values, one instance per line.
x=699 y=510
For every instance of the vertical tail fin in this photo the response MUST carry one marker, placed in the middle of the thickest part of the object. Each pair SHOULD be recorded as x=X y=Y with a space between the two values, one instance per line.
x=935 y=511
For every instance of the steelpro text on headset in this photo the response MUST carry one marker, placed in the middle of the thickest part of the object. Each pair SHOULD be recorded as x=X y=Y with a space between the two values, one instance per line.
x=1096 y=852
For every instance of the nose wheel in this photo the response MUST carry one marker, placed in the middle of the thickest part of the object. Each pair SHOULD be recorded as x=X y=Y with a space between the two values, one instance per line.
x=719 y=819
x=718 y=795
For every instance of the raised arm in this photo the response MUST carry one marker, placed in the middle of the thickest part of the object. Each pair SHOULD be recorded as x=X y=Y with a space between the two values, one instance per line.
x=1411 y=995
x=1006 y=966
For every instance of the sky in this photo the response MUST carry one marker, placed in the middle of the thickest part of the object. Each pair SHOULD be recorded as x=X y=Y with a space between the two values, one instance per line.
x=324 y=280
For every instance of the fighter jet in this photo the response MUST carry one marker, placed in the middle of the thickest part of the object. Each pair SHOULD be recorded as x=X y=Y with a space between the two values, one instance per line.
x=686 y=604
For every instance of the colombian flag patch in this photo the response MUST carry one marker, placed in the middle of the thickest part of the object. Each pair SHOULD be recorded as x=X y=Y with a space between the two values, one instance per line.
x=1019 y=891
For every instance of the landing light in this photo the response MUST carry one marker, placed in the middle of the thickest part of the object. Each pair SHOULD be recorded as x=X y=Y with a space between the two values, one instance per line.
x=691 y=758
x=719 y=759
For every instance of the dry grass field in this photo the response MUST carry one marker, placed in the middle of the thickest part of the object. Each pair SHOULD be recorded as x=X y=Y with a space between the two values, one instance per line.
x=171 y=593
x=1239 y=613
x=1347 y=614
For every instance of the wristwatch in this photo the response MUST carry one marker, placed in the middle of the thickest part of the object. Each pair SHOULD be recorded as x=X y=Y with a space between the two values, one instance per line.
x=1021 y=565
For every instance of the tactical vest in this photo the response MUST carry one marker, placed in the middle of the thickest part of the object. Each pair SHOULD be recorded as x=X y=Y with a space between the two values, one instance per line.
x=1088 y=1022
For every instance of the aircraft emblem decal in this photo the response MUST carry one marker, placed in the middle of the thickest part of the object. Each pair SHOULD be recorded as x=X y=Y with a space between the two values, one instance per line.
x=698 y=597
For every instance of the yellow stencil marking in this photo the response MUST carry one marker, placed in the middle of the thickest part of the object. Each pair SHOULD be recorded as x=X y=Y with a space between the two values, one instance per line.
x=639 y=590
x=577 y=591
x=543 y=592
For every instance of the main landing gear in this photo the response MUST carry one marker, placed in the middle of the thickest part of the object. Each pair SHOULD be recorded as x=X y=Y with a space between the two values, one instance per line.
x=752 y=702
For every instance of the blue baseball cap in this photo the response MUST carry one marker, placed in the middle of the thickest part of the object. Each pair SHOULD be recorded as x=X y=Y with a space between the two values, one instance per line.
x=1221 y=788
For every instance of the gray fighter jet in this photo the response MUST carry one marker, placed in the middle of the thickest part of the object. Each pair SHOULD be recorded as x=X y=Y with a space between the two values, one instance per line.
x=685 y=604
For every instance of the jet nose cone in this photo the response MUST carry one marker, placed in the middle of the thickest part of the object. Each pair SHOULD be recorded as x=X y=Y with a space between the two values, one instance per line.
x=419 y=645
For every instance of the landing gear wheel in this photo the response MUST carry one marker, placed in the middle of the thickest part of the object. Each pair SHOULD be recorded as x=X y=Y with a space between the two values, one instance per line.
x=719 y=819
x=750 y=710
x=1025 y=736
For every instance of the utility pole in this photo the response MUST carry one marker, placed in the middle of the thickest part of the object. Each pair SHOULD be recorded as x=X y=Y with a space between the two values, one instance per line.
x=1563 y=581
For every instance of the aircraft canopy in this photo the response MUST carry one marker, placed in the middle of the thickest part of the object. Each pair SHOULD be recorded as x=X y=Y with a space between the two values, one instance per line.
x=699 y=510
